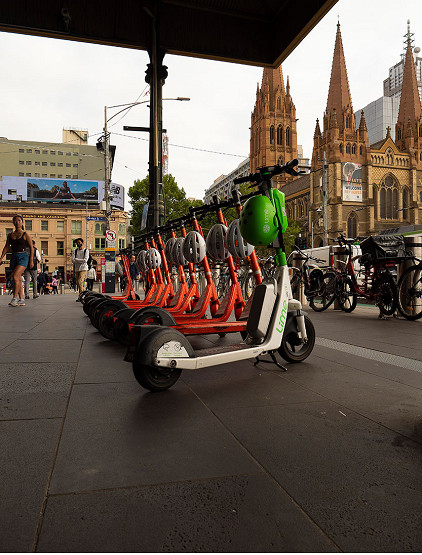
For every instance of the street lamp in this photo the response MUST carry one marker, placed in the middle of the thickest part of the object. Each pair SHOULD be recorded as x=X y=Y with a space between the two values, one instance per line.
x=107 y=166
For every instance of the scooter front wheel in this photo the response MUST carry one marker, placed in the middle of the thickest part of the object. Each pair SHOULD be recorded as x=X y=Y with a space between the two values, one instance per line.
x=292 y=349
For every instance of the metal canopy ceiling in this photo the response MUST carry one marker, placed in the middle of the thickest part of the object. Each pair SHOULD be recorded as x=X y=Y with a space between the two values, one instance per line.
x=257 y=32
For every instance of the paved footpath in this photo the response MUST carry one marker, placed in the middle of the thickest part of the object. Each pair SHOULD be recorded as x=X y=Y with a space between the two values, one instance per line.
x=325 y=457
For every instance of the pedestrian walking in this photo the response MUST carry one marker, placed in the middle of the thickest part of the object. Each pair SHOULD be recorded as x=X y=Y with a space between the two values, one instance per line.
x=54 y=284
x=80 y=258
x=31 y=274
x=40 y=282
x=20 y=243
x=91 y=276
x=133 y=270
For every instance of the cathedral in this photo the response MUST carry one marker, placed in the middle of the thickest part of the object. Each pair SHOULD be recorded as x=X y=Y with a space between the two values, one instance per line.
x=368 y=188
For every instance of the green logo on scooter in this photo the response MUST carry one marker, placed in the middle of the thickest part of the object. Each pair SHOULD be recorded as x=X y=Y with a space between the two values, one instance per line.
x=283 y=316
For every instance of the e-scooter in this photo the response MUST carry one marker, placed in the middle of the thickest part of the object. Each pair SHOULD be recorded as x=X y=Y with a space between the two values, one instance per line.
x=276 y=322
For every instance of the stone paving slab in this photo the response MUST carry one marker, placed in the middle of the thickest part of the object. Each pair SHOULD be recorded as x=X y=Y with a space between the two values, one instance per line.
x=236 y=458
x=237 y=514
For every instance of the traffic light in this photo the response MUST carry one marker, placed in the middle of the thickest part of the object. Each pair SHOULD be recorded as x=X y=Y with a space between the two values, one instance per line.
x=301 y=243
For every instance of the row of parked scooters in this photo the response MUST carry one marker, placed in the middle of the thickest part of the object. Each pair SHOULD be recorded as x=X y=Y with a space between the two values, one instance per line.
x=155 y=329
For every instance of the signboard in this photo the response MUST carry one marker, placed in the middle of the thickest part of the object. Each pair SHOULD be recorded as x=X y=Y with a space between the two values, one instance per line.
x=352 y=181
x=144 y=216
x=111 y=235
x=95 y=219
x=110 y=270
x=69 y=190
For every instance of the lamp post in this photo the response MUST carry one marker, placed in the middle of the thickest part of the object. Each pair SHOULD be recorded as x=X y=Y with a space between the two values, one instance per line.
x=153 y=160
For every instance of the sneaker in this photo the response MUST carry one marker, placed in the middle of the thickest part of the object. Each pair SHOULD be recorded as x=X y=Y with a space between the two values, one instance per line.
x=21 y=302
x=35 y=296
x=26 y=296
x=14 y=302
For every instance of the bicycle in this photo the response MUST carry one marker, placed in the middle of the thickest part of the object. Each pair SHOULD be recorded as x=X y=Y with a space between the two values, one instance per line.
x=378 y=285
x=410 y=292
x=318 y=285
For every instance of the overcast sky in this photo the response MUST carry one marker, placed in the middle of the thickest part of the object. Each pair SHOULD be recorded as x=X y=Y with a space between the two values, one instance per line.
x=50 y=84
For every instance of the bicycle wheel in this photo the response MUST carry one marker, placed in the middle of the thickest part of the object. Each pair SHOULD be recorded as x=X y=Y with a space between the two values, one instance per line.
x=345 y=294
x=324 y=297
x=410 y=293
x=386 y=294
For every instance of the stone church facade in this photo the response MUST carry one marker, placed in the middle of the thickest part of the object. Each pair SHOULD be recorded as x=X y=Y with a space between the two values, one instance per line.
x=369 y=187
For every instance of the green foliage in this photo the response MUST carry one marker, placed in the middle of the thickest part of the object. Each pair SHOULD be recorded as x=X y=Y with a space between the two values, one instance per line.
x=175 y=201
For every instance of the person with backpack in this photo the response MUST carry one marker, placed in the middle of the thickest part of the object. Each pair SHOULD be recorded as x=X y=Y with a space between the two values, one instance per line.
x=54 y=284
x=80 y=257
x=40 y=282
x=91 y=276
x=31 y=274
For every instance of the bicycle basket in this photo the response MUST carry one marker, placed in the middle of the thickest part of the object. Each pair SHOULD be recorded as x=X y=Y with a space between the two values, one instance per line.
x=382 y=247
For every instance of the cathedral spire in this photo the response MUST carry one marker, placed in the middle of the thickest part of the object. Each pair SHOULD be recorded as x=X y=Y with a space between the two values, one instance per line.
x=339 y=97
x=410 y=104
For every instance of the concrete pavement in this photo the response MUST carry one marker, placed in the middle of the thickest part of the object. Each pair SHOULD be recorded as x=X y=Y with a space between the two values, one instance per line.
x=241 y=458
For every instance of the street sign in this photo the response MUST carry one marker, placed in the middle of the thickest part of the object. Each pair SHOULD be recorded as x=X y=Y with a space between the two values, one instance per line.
x=111 y=235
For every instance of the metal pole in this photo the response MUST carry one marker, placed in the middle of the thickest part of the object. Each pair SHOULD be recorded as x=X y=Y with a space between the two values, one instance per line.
x=324 y=198
x=106 y=171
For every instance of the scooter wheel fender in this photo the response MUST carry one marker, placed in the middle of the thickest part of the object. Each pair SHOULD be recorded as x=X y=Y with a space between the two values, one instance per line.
x=105 y=318
x=121 y=332
x=160 y=342
x=155 y=314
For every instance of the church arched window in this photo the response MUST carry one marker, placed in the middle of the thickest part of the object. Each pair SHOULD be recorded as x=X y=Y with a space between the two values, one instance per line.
x=405 y=200
x=348 y=148
x=278 y=103
x=279 y=135
x=288 y=136
x=272 y=134
x=348 y=122
x=388 y=197
x=341 y=148
x=353 y=148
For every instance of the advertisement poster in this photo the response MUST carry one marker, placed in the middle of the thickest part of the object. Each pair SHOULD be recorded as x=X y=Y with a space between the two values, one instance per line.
x=56 y=190
x=352 y=182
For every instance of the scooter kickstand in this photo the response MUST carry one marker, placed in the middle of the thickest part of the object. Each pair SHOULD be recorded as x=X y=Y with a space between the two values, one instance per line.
x=274 y=360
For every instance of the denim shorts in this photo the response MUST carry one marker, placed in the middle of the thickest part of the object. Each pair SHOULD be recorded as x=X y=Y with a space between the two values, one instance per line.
x=19 y=259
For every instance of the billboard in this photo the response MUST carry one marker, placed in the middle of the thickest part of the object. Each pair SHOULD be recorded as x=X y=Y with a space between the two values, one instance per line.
x=352 y=181
x=56 y=190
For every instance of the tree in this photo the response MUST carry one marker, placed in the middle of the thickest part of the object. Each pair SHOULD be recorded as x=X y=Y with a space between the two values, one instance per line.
x=176 y=204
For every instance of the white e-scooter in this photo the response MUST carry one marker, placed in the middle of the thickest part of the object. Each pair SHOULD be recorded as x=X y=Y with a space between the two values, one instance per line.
x=276 y=322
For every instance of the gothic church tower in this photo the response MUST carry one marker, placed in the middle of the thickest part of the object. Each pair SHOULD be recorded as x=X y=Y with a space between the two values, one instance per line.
x=273 y=124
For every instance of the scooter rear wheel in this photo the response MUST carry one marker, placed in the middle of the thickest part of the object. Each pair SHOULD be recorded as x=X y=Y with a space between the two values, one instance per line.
x=147 y=374
x=291 y=348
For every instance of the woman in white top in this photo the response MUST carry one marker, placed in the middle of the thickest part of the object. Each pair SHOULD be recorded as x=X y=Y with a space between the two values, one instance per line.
x=80 y=258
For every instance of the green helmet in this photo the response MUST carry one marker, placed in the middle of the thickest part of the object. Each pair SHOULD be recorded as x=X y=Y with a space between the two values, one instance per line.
x=257 y=221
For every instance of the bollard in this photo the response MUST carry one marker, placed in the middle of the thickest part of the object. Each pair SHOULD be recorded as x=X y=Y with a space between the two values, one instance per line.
x=62 y=289
x=340 y=255
x=1 y=289
x=297 y=262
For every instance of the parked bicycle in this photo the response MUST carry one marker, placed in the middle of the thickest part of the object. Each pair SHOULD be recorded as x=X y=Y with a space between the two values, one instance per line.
x=318 y=284
x=378 y=259
x=410 y=292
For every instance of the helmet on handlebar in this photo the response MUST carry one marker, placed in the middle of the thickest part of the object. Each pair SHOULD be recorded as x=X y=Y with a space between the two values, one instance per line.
x=153 y=259
x=194 y=249
x=177 y=252
x=257 y=222
x=140 y=261
x=216 y=242
x=238 y=247
x=169 y=248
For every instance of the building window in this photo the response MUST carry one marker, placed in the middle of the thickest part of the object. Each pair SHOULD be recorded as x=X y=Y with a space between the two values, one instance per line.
x=278 y=103
x=68 y=165
x=44 y=247
x=28 y=174
x=52 y=175
x=288 y=136
x=52 y=152
x=28 y=163
x=99 y=229
x=36 y=174
x=405 y=199
x=28 y=225
x=75 y=165
x=122 y=243
x=11 y=192
x=348 y=122
x=37 y=163
x=37 y=151
x=59 y=175
x=272 y=134
x=388 y=199
x=45 y=151
x=68 y=154
x=44 y=163
x=29 y=150
x=122 y=229
x=75 y=177
x=21 y=150
x=44 y=175
x=279 y=135
x=21 y=174
x=60 y=226
x=348 y=148
x=60 y=153
x=21 y=162
x=60 y=248
x=44 y=225
x=60 y=164
x=99 y=243
x=76 y=227
x=52 y=163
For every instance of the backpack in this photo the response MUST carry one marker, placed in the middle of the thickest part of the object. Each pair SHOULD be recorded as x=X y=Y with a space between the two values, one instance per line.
x=89 y=258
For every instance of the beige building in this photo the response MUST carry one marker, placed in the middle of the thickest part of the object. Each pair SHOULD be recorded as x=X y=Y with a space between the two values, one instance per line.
x=71 y=159
x=55 y=227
